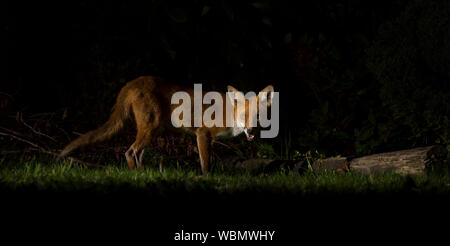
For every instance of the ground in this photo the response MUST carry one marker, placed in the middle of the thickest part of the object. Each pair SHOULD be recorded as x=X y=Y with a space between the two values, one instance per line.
x=59 y=200
x=69 y=177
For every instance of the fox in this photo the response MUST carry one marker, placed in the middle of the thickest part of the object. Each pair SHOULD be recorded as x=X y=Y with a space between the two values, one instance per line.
x=147 y=99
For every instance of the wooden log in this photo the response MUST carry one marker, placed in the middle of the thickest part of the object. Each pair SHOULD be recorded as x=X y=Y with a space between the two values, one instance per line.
x=269 y=166
x=411 y=161
x=339 y=164
x=254 y=165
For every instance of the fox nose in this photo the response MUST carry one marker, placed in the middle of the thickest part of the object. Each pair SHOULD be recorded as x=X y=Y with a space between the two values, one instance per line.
x=249 y=136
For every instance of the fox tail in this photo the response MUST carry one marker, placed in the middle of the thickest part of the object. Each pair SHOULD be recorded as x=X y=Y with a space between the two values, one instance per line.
x=120 y=113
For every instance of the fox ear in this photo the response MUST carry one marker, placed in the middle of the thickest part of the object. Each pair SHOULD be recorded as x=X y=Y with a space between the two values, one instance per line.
x=233 y=92
x=266 y=95
x=231 y=89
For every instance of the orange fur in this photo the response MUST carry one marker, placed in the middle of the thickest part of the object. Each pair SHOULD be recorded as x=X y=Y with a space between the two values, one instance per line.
x=148 y=99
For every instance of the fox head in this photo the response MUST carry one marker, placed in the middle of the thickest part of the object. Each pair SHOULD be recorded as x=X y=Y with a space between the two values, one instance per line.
x=246 y=115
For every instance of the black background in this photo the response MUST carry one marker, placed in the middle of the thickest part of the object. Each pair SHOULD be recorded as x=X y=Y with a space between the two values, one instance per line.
x=49 y=67
x=74 y=56
x=136 y=218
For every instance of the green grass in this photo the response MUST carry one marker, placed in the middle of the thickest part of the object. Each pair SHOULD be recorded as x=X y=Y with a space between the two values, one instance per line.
x=66 y=177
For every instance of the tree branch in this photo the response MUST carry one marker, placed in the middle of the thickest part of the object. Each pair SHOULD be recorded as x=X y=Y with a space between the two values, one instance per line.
x=45 y=151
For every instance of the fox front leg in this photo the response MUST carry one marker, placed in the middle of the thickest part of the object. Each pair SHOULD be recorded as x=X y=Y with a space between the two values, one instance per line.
x=204 y=143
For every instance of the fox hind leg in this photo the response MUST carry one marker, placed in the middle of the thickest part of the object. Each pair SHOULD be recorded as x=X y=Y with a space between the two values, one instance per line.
x=132 y=157
x=147 y=119
x=135 y=153
x=129 y=156
x=141 y=155
x=140 y=145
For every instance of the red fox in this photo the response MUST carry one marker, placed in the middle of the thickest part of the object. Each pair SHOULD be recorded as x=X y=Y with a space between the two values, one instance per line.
x=149 y=98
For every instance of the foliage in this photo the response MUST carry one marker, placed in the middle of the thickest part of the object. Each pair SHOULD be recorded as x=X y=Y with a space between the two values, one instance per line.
x=411 y=62
x=313 y=53
x=341 y=92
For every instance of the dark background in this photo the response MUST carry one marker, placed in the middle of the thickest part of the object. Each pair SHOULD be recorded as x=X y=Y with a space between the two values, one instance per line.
x=355 y=77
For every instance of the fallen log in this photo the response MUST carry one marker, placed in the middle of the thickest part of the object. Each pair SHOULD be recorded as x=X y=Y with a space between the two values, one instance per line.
x=269 y=166
x=411 y=161
x=259 y=165
x=339 y=164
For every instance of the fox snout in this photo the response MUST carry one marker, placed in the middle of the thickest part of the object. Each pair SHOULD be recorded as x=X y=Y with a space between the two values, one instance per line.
x=249 y=136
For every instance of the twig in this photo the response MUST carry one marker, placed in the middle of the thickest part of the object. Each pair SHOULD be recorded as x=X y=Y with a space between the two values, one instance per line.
x=215 y=141
x=6 y=94
x=6 y=152
x=71 y=159
x=11 y=131
x=21 y=139
x=65 y=133
x=41 y=114
x=20 y=119
x=41 y=149
x=15 y=133
x=39 y=133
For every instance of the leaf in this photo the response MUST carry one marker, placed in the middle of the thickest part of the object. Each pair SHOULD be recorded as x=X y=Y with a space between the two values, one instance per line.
x=287 y=38
x=205 y=10
x=178 y=15
x=371 y=118
x=325 y=108
x=260 y=5
x=267 y=21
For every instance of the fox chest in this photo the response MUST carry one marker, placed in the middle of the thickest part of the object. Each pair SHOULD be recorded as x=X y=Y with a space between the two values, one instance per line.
x=231 y=132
